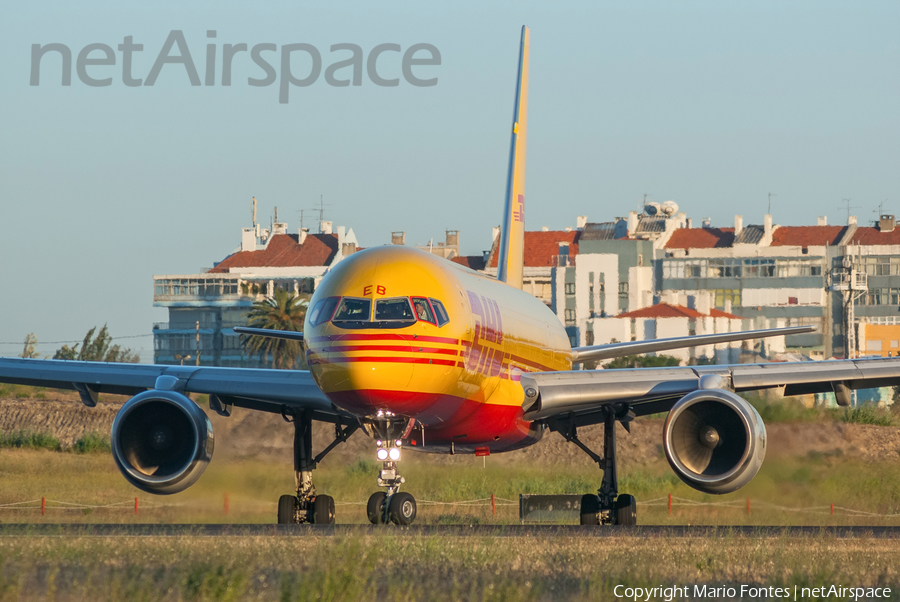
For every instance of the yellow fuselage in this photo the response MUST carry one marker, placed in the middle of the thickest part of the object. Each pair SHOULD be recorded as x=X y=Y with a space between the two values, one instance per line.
x=460 y=379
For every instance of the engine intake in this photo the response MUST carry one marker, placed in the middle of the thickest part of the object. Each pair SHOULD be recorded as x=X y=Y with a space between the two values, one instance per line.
x=162 y=441
x=714 y=440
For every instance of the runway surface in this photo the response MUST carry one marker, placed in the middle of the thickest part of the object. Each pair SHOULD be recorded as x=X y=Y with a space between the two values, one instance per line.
x=543 y=531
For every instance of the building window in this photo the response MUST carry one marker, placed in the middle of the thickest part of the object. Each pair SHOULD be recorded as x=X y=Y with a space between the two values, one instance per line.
x=787 y=268
x=570 y=288
x=570 y=316
x=759 y=268
x=681 y=268
x=623 y=290
x=881 y=296
x=722 y=295
x=724 y=268
x=880 y=266
x=589 y=338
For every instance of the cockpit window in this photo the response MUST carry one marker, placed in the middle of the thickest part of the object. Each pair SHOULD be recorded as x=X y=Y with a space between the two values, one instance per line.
x=323 y=310
x=354 y=310
x=423 y=310
x=392 y=310
x=442 y=317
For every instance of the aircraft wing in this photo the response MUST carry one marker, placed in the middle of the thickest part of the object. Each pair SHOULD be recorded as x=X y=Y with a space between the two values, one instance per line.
x=611 y=350
x=583 y=394
x=267 y=390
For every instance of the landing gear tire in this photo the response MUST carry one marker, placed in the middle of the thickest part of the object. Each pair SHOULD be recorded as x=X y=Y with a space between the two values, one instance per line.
x=322 y=510
x=626 y=510
x=403 y=508
x=287 y=505
x=590 y=510
x=375 y=508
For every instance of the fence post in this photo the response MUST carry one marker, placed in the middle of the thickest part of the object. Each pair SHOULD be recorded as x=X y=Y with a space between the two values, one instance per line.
x=43 y=505
x=226 y=502
x=670 y=504
x=493 y=506
x=135 y=505
x=748 y=506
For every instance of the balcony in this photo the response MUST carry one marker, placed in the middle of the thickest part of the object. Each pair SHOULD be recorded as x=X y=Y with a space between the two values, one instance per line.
x=849 y=280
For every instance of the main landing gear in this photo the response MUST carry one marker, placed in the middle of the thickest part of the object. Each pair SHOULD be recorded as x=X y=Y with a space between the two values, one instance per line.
x=392 y=505
x=607 y=507
x=308 y=506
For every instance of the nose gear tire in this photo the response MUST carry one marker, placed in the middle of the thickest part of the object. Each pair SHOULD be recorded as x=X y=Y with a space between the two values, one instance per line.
x=403 y=508
x=375 y=508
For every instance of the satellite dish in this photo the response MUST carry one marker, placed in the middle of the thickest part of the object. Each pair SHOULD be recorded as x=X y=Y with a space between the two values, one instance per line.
x=652 y=208
x=669 y=208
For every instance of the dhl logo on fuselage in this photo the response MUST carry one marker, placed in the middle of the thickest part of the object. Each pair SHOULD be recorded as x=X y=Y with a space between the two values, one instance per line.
x=484 y=355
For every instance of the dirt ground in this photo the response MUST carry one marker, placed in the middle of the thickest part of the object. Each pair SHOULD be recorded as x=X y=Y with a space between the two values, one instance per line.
x=256 y=434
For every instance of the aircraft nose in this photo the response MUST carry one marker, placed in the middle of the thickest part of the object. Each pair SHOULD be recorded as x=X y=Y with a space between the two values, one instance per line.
x=359 y=380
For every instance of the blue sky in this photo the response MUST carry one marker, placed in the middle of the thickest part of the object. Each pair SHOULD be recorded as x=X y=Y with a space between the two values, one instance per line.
x=711 y=105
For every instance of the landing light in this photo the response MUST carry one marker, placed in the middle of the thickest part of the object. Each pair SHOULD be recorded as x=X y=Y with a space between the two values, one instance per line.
x=395 y=453
x=382 y=454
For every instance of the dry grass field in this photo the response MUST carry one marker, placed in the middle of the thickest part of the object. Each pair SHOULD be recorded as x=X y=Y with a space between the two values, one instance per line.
x=408 y=567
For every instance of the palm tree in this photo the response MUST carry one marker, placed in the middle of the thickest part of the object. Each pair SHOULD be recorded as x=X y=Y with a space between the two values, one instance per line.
x=285 y=311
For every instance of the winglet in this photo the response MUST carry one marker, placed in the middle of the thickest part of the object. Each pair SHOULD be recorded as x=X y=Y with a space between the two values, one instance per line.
x=512 y=233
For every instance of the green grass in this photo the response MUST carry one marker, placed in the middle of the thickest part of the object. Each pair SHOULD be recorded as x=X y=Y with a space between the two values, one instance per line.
x=87 y=443
x=866 y=414
x=22 y=391
x=91 y=443
x=392 y=565
x=30 y=440
x=253 y=487
x=790 y=410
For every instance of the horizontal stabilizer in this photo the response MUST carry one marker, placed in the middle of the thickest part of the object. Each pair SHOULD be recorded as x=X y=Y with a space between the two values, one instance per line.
x=612 y=350
x=274 y=334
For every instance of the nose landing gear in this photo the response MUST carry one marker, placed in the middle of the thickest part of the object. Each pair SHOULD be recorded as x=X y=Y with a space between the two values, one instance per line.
x=392 y=505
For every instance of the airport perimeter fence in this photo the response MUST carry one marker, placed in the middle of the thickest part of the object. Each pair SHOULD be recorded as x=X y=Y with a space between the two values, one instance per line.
x=570 y=502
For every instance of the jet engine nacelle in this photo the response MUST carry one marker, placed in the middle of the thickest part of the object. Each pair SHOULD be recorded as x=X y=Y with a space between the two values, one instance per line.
x=162 y=441
x=714 y=440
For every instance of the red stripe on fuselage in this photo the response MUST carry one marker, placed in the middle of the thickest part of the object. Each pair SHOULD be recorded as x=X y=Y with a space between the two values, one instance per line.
x=385 y=359
x=388 y=336
x=402 y=348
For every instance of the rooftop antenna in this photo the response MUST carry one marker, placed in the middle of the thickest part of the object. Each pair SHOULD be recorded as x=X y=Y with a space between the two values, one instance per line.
x=770 y=202
x=321 y=210
x=254 y=212
x=880 y=209
x=848 y=208
x=276 y=214
x=302 y=219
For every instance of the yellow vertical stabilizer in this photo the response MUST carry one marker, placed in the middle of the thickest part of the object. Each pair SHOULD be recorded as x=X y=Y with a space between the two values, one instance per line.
x=512 y=233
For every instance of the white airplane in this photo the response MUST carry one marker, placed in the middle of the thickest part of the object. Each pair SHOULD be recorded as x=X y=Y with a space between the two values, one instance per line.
x=423 y=354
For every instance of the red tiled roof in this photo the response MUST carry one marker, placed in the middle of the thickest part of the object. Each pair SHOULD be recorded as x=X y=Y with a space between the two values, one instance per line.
x=873 y=236
x=806 y=236
x=542 y=248
x=283 y=250
x=662 y=310
x=474 y=262
x=668 y=310
x=701 y=238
